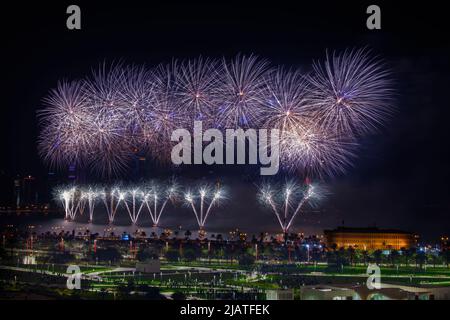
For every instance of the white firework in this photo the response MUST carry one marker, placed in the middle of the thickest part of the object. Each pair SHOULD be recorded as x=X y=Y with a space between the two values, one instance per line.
x=202 y=202
x=287 y=201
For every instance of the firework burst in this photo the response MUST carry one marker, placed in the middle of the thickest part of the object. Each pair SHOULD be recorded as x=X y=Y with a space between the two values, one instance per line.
x=65 y=120
x=241 y=91
x=286 y=100
x=137 y=93
x=304 y=146
x=351 y=93
x=120 y=112
x=311 y=151
x=196 y=88
x=166 y=115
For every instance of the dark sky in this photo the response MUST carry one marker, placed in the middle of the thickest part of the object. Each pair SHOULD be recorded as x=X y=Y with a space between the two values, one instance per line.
x=401 y=177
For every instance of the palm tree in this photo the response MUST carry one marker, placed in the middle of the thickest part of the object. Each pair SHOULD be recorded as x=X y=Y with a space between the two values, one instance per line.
x=377 y=255
x=340 y=258
x=435 y=259
x=351 y=255
x=411 y=254
x=446 y=256
x=358 y=256
x=365 y=256
x=393 y=257
x=421 y=259
x=220 y=253
x=404 y=253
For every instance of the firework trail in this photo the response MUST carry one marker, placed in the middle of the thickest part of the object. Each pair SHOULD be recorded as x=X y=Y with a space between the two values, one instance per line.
x=91 y=197
x=202 y=202
x=132 y=197
x=112 y=201
x=288 y=200
x=157 y=199
x=67 y=200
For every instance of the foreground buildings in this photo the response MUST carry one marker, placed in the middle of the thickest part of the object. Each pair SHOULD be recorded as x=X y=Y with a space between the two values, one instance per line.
x=361 y=292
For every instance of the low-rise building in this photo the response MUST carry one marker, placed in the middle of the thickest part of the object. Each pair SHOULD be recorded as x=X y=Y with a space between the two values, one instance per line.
x=370 y=238
x=325 y=292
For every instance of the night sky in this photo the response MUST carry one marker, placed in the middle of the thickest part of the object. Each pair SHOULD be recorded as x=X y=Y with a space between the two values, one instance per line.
x=401 y=176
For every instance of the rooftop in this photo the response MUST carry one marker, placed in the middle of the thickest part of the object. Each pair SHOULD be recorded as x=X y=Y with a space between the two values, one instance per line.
x=366 y=230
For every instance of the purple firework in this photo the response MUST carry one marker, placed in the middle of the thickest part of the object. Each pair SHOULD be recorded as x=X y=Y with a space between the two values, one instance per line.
x=351 y=92
x=105 y=120
x=241 y=90
x=196 y=88
x=64 y=121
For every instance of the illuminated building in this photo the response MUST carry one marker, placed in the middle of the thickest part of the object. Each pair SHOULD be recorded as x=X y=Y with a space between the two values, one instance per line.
x=369 y=238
